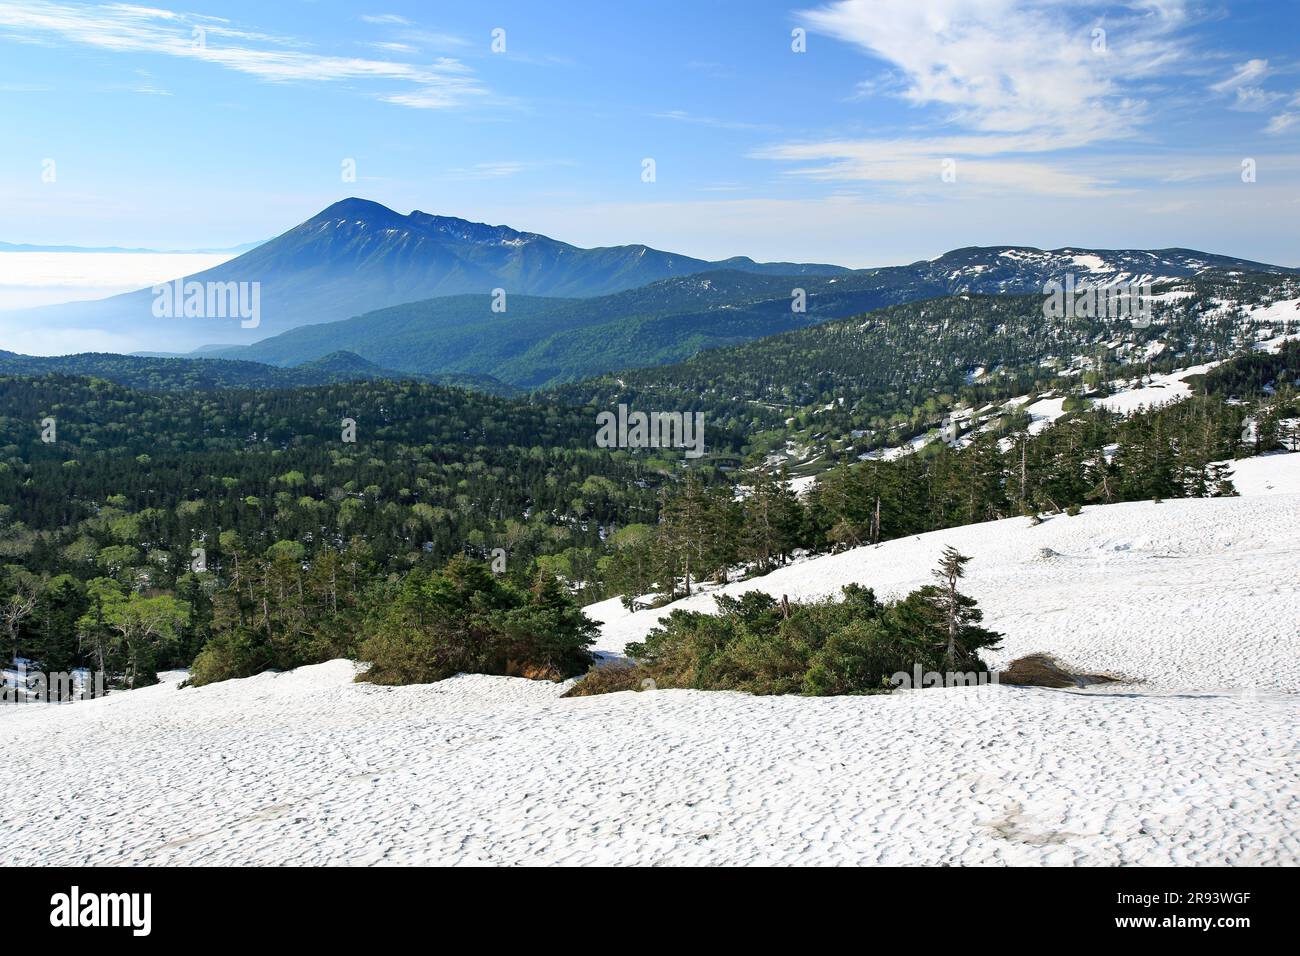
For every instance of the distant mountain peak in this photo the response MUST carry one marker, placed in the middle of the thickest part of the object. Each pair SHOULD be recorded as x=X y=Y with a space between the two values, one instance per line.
x=469 y=231
x=367 y=213
x=355 y=206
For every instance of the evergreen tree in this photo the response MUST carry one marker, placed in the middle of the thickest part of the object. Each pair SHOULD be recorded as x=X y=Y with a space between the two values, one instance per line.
x=956 y=616
x=771 y=519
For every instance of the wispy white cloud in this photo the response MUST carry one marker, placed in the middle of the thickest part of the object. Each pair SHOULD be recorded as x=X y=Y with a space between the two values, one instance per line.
x=1254 y=99
x=980 y=162
x=501 y=169
x=1010 y=83
x=1243 y=85
x=1281 y=123
x=493 y=170
x=441 y=84
x=1015 y=65
x=431 y=40
x=1244 y=74
x=1249 y=96
x=392 y=47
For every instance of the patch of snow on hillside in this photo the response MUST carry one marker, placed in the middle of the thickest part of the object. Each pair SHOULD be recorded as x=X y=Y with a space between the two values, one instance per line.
x=308 y=768
x=1157 y=390
x=1275 y=474
x=1044 y=412
x=1287 y=310
x=1171 y=295
x=1091 y=263
x=801 y=486
x=1188 y=593
x=898 y=451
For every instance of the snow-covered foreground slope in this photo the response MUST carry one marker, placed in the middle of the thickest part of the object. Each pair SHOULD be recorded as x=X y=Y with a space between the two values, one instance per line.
x=308 y=767
x=1189 y=593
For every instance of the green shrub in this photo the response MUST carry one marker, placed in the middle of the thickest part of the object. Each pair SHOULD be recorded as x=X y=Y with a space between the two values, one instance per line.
x=464 y=619
x=229 y=655
x=858 y=659
x=821 y=648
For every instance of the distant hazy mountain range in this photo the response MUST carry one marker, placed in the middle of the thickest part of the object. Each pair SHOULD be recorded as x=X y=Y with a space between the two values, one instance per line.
x=30 y=247
x=357 y=256
x=415 y=294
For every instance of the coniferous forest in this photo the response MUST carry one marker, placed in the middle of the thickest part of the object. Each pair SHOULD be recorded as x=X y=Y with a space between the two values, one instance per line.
x=243 y=528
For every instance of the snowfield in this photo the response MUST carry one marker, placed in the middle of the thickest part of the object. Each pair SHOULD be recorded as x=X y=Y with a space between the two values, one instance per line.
x=308 y=768
x=1273 y=474
x=1187 y=594
x=1198 y=765
x=1157 y=390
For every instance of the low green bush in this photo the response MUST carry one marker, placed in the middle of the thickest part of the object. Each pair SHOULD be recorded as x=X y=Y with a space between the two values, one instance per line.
x=464 y=619
x=822 y=648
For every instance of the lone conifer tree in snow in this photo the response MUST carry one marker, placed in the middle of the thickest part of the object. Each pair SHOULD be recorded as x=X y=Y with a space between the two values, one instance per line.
x=956 y=617
x=952 y=566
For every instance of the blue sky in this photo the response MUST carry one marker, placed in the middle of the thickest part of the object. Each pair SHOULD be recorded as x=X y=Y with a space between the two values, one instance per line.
x=1060 y=135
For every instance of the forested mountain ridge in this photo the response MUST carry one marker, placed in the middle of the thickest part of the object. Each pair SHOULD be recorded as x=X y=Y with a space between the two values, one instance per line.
x=1024 y=268
x=843 y=388
x=530 y=340
x=177 y=373
x=536 y=342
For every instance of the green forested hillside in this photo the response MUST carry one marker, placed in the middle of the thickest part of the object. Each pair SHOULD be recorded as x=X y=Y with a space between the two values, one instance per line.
x=875 y=380
x=184 y=374
x=427 y=467
x=140 y=527
x=238 y=526
x=538 y=342
x=110 y=495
